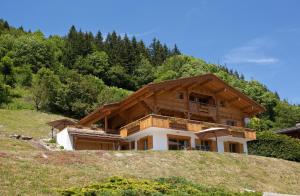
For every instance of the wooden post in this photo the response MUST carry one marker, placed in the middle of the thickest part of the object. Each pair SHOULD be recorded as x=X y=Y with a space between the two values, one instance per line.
x=52 y=134
x=188 y=103
x=105 y=123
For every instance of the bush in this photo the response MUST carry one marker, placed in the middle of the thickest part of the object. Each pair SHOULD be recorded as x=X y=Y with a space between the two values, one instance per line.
x=5 y=93
x=161 y=186
x=274 y=145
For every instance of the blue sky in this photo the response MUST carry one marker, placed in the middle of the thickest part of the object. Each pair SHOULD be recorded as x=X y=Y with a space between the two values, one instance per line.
x=260 y=39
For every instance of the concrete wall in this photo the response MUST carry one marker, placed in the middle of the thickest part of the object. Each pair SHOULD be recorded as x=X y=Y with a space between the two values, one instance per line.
x=160 y=139
x=223 y=139
x=63 y=138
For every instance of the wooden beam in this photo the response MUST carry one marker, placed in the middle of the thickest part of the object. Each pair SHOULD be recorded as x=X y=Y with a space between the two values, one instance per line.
x=96 y=118
x=223 y=90
x=234 y=100
x=248 y=107
x=201 y=83
x=147 y=106
x=105 y=123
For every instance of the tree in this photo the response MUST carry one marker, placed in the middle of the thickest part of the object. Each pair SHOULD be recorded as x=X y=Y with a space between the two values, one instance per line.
x=95 y=64
x=79 y=94
x=23 y=75
x=6 y=25
x=5 y=93
x=144 y=73
x=35 y=50
x=6 y=67
x=46 y=87
x=176 y=51
x=99 y=41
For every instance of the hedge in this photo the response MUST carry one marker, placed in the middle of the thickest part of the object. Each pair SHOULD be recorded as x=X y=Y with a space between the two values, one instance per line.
x=139 y=187
x=270 y=144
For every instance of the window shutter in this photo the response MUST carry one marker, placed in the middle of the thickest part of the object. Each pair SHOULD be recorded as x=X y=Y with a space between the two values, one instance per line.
x=241 y=148
x=226 y=146
x=213 y=146
x=150 y=142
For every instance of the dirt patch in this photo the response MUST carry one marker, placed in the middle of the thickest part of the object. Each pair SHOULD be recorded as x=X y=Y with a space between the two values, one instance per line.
x=61 y=158
x=3 y=155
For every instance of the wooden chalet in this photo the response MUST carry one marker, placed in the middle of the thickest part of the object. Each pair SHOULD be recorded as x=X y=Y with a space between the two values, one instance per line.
x=201 y=112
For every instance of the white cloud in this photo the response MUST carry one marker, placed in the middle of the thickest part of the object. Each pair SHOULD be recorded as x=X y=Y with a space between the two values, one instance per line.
x=142 y=34
x=253 y=52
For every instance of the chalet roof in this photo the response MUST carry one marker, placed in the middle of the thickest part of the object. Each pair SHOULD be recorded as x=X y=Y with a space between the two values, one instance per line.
x=289 y=130
x=92 y=133
x=208 y=80
x=61 y=124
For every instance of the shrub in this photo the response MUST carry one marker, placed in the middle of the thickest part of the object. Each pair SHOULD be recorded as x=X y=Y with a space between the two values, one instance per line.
x=274 y=145
x=161 y=186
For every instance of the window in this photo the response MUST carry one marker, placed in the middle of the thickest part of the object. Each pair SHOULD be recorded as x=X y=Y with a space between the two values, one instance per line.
x=145 y=144
x=178 y=144
x=204 y=145
x=222 y=103
x=180 y=95
x=231 y=123
x=233 y=147
x=201 y=99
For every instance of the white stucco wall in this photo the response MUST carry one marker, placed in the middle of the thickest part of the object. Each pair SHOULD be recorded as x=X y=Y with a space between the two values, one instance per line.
x=160 y=139
x=63 y=138
x=223 y=139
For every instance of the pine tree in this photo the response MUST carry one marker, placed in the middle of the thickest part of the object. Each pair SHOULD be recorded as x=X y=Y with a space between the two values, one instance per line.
x=99 y=41
x=6 y=25
x=176 y=51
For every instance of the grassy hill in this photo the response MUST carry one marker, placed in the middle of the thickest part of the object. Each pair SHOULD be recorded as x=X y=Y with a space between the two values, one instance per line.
x=26 y=170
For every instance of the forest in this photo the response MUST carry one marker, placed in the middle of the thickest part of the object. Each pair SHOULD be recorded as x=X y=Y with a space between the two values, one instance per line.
x=74 y=74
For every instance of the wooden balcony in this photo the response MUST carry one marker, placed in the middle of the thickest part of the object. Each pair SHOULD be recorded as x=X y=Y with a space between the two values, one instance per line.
x=167 y=122
x=203 y=109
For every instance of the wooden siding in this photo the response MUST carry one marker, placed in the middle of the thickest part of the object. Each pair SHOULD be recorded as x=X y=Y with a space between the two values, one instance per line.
x=82 y=143
x=240 y=146
x=141 y=143
x=190 y=125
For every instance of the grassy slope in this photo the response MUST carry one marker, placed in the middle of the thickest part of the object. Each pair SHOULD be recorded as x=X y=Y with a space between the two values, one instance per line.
x=26 y=122
x=27 y=171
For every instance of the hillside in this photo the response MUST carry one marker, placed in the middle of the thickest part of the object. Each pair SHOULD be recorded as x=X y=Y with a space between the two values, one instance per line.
x=74 y=74
x=25 y=169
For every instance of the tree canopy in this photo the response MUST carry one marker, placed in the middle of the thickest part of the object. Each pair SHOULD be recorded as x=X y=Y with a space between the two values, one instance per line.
x=74 y=74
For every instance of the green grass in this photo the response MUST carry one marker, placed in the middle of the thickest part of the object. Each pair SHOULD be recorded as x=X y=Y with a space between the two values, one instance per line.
x=21 y=99
x=26 y=122
x=14 y=145
x=25 y=170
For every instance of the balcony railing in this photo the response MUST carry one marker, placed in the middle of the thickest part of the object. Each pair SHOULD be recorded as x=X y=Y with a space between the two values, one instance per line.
x=153 y=120
x=204 y=109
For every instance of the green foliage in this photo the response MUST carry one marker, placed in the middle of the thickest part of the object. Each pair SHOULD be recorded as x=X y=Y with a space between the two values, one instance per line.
x=5 y=94
x=275 y=145
x=95 y=64
x=79 y=94
x=162 y=186
x=260 y=124
x=46 y=87
x=286 y=115
x=112 y=95
x=117 y=61
x=21 y=98
x=34 y=50
x=144 y=73
x=6 y=65
x=23 y=75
